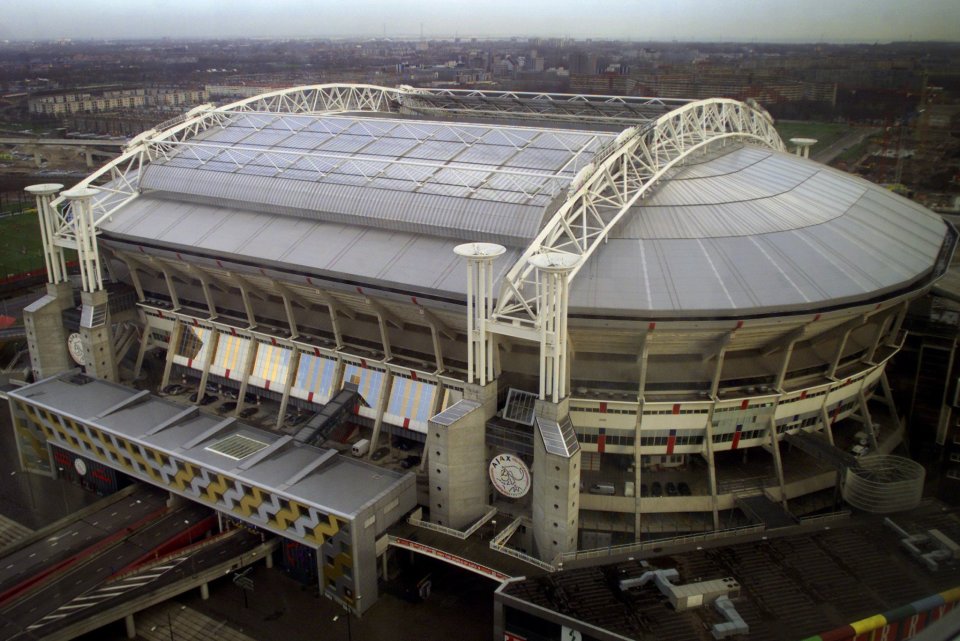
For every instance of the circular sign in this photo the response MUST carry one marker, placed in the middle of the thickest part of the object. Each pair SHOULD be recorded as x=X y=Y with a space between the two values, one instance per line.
x=510 y=475
x=80 y=466
x=75 y=347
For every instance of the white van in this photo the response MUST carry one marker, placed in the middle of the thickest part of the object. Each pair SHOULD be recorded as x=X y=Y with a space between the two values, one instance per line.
x=629 y=488
x=603 y=488
x=361 y=447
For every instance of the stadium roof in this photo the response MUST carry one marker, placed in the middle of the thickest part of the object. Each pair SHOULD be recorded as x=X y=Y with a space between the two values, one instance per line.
x=382 y=199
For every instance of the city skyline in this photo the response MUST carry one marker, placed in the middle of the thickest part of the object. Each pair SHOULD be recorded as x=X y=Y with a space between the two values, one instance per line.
x=687 y=20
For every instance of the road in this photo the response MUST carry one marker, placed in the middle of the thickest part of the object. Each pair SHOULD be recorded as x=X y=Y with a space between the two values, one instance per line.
x=827 y=154
x=106 y=554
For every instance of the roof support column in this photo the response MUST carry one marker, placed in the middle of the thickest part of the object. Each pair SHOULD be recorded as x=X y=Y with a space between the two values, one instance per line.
x=205 y=286
x=867 y=420
x=875 y=343
x=168 y=279
x=385 y=390
x=827 y=423
x=205 y=373
x=835 y=363
x=774 y=447
x=480 y=257
x=247 y=368
x=175 y=334
x=888 y=397
x=292 y=366
x=247 y=305
x=291 y=318
x=133 y=270
x=898 y=323
x=712 y=465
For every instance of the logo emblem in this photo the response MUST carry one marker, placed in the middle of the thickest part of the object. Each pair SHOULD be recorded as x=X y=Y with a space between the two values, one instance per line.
x=510 y=475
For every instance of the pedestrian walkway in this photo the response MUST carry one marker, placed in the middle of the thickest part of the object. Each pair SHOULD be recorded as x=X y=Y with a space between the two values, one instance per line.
x=11 y=532
x=175 y=621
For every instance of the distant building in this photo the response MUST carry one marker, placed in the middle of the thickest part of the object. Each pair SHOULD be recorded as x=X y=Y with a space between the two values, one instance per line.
x=109 y=99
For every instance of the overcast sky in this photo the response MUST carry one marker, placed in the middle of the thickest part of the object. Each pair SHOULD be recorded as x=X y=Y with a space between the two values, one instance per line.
x=743 y=20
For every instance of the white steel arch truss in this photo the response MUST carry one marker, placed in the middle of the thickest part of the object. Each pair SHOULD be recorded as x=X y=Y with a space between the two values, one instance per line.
x=619 y=176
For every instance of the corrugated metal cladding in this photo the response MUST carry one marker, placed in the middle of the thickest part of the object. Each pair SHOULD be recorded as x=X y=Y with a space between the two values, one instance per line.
x=469 y=182
x=754 y=230
x=417 y=262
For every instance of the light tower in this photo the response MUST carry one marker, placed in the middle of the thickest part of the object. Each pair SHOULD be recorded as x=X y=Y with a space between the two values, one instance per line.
x=553 y=271
x=802 y=146
x=480 y=257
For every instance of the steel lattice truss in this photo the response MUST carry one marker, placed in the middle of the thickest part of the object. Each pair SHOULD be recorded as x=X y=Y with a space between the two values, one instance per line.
x=619 y=176
x=626 y=110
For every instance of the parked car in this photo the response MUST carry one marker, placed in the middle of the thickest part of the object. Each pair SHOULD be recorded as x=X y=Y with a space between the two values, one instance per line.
x=656 y=489
x=672 y=489
x=302 y=418
x=380 y=453
x=683 y=488
x=644 y=490
x=410 y=461
x=213 y=388
x=247 y=412
x=206 y=399
x=229 y=406
x=174 y=390
x=402 y=444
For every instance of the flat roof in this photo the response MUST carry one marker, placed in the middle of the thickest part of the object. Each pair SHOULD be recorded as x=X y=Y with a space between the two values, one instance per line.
x=791 y=587
x=340 y=485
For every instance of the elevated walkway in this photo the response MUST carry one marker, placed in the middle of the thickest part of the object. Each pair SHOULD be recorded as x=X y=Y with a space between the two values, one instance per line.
x=765 y=510
x=821 y=449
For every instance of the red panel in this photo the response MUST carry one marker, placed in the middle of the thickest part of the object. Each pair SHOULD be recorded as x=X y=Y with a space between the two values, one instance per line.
x=736 y=438
x=310 y=397
x=603 y=408
x=227 y=373
x=406 y=423
x=601 y=443
x=671 y=441
x=267 y=385
x=676 y=408
x=744 y=404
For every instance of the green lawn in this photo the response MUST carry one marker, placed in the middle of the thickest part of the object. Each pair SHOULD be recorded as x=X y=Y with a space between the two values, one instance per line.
x=826 y=133
x=20 y=247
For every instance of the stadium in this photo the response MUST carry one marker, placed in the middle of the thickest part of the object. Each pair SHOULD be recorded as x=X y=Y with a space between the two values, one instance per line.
x=607 y=318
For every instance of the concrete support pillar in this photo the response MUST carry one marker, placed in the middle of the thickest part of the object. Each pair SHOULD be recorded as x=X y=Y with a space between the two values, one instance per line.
x=292 y=366
x=777 y=460
x=131 y=626
x=46 y=336
x=269 y=560
x=458 y=476
x=88 y=157
x=96 y=334
x=205 y=373
x=712 y=466
x=556 y=482
x=386 y=388
x=204 y=591
x=175 y=335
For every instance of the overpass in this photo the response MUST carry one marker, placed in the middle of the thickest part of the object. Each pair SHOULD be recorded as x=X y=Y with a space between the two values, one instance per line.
x=89 y=147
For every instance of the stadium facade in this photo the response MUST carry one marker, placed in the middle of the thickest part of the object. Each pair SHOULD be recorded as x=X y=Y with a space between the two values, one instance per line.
x=562 y=299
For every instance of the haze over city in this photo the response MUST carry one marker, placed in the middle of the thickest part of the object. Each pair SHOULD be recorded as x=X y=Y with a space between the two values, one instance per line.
x=746 y=20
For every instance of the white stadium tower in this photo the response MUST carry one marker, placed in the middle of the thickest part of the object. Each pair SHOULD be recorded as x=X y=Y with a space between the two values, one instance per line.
x=608 y=318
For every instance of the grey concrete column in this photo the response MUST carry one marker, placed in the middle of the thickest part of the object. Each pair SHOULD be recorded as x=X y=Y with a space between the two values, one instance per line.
x=205 y=591
x=46 y=336
x=556 y=482
x=269 y=562
x=96 y=334
x=131 y=626
x=457 y=467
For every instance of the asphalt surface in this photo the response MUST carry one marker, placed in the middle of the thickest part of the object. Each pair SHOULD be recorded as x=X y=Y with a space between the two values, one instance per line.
x=90 y=570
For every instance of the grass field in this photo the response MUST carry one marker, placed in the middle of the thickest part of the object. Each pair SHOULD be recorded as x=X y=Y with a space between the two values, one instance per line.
x=826 y=133
x=20 y=247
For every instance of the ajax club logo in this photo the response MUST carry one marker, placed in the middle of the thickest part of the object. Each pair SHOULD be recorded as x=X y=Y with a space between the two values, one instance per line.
x=510 y=475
